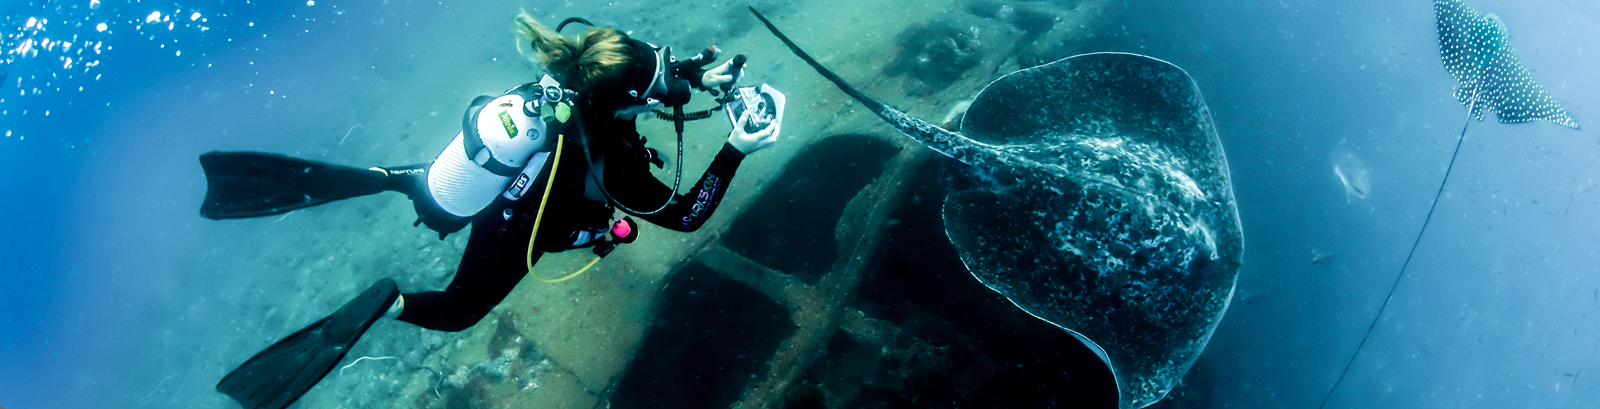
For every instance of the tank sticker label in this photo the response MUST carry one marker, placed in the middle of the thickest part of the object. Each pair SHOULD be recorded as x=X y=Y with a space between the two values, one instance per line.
x=511 y=127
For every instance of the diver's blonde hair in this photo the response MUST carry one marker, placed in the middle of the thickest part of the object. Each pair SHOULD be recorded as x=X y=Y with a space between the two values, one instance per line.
x=597 y=56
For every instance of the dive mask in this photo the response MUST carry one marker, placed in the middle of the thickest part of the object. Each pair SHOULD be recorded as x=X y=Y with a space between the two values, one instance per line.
x=648 y=84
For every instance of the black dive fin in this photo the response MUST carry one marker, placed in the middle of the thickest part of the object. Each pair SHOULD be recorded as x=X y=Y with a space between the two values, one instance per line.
x=280 y=374
x=255 y=184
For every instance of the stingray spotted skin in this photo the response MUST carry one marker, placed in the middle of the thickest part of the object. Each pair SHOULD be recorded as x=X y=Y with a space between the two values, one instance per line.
x=1102 y=204
x=1475 y=51
x=1109 y=212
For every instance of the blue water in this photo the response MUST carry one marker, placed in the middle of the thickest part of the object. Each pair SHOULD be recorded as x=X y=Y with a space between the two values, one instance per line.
x=109 y=285
x=104 y=182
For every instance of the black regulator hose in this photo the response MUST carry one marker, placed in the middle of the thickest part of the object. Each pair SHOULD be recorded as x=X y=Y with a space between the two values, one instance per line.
x=571 y=20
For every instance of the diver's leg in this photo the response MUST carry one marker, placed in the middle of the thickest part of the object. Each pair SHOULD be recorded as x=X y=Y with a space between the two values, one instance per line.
x=490 y=268
x=413 y=181
x=410 y=179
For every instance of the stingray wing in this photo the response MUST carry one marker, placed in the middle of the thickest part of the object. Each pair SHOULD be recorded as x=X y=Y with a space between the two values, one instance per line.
x=1115 y=221
x=1474 y=49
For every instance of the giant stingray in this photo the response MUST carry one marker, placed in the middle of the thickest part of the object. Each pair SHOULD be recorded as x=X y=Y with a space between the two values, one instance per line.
x=1475 y=50
x=1102 y=205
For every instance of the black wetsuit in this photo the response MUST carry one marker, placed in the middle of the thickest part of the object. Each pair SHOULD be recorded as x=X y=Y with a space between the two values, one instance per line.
x=495 y=257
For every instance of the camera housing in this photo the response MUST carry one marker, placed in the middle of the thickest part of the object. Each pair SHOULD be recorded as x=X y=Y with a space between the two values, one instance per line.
x=762 y=104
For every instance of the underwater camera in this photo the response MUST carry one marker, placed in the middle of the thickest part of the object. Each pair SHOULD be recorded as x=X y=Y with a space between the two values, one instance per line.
x=763 y=104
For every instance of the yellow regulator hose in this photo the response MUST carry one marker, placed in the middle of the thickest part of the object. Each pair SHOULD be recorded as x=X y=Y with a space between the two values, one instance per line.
x=560 y=140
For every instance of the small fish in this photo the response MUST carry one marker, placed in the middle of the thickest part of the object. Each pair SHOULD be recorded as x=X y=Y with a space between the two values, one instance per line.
x=1251 y=298
x=1320 y=258
x=1353 y=174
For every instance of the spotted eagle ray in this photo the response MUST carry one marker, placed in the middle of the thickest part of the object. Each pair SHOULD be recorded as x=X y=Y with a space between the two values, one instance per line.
x=1475 y=51
x=1097 y=199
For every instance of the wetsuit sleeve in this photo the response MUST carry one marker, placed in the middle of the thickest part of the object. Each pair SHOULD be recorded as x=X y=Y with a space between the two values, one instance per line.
x=630 y=183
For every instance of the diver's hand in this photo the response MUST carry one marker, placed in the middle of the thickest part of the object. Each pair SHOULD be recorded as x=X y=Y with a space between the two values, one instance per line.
x=720 y=75
x=748 y=143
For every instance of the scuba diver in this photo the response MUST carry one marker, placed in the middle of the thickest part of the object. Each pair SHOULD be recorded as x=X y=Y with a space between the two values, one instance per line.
x=537 y=169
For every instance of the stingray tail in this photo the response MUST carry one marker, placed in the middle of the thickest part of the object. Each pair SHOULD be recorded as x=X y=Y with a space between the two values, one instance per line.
x=945 y=142
x=1471 y=111
x=872 y=104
